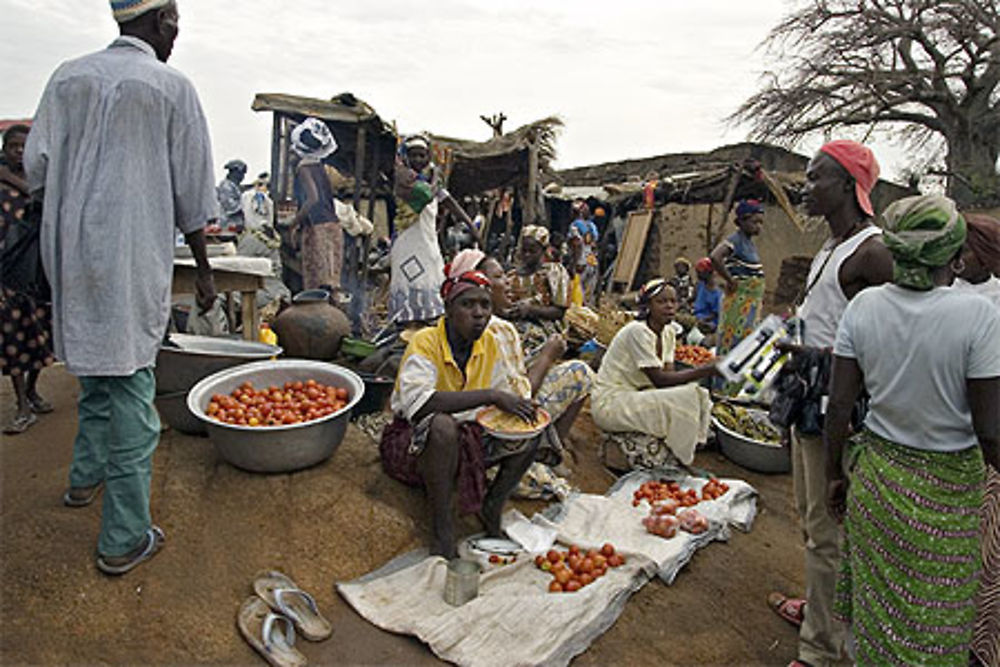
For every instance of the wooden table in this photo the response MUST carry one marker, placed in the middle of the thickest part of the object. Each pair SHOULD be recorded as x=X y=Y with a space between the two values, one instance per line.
x=226 y=281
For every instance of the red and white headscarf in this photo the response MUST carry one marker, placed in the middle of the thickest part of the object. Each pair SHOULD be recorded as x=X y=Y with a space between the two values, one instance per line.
x=461 y=274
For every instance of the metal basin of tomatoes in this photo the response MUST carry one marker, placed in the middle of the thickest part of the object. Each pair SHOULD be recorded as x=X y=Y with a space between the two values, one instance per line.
x=286 y=447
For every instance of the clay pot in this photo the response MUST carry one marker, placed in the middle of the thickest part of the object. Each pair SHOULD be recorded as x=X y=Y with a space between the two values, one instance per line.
x=311 y=328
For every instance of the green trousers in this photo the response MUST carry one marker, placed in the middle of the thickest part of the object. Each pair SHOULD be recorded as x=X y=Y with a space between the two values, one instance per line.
x=117 y=434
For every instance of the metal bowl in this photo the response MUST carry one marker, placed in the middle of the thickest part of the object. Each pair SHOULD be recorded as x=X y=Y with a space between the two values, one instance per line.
x=377 y=391
x=277 y=448
x=173 y=410
x=752 y=454
x=195 y=357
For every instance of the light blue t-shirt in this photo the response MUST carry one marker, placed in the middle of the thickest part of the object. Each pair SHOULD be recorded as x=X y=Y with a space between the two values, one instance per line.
x=916 y=350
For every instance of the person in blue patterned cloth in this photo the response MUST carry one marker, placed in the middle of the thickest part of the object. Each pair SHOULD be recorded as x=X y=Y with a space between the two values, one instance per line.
x=737 y=262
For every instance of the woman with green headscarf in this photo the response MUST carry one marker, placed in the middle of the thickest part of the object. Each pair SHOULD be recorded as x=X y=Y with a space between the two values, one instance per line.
x=910 y=491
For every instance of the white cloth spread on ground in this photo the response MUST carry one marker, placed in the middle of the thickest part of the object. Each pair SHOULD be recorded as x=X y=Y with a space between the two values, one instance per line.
x=515 y=620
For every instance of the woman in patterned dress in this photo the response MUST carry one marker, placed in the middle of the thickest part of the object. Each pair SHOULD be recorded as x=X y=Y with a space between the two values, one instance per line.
x=909 y=486
x=981 y=274
x=25 y=322
x=539 y=291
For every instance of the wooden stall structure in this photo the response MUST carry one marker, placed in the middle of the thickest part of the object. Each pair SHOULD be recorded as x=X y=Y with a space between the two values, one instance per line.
x=518 y=161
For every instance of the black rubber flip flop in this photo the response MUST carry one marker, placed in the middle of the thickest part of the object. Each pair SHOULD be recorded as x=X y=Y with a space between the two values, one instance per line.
x=154 y=542
x=81 y=501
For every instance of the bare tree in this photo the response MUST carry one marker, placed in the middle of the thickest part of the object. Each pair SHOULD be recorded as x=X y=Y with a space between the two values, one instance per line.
x=927 y=67
x=495 y=122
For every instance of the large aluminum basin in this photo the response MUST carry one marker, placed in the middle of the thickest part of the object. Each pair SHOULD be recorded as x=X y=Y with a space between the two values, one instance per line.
x=196 y=357
x=277 y=448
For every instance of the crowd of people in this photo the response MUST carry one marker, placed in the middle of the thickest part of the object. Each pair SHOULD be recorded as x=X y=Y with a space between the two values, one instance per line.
x=899 y=504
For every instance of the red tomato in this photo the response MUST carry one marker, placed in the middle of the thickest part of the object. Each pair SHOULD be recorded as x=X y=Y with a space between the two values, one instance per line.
x=587 y=565
x=586 y=579
x=341 y=394
x=539 y=559
x=553 y=556
x=563 y=576
x=574 y=561
x=555 y=587
x=572 y=587
x=574 y=549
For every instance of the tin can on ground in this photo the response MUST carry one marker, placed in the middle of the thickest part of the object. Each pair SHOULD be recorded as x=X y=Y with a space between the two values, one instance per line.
x=461 y=583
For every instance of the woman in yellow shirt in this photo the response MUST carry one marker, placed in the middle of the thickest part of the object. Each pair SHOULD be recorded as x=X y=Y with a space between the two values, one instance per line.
x=447 y=373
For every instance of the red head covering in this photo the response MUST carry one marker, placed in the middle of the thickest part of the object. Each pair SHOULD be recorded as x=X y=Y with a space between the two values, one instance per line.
x=703 y=264
x=860 y=162
x=983 y=238
x=462 y=275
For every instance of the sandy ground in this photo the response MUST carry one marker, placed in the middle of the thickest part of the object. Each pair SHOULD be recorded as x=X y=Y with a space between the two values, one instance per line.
x=331 y=523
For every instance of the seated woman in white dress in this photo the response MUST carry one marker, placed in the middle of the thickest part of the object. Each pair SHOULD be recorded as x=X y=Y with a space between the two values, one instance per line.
x=639 y=392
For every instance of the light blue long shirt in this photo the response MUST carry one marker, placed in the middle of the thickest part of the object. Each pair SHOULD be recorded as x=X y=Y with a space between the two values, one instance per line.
x=120 y=147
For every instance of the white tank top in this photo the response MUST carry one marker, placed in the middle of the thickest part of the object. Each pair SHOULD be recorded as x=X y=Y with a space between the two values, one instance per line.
x=825 y=302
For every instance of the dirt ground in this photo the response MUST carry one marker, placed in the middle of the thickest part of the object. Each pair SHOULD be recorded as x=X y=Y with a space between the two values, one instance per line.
x=331 y=523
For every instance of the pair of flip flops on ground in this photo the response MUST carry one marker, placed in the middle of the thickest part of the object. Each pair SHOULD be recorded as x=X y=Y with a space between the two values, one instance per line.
x=269 y=619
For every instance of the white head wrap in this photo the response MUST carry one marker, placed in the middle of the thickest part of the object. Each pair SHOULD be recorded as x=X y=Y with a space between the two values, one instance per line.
x=312 y=138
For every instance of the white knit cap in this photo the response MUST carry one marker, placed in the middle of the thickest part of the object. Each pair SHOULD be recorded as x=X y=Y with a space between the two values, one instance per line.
x=126 y=10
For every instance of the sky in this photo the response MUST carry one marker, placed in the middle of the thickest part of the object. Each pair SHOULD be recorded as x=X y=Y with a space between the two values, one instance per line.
x=630 y=79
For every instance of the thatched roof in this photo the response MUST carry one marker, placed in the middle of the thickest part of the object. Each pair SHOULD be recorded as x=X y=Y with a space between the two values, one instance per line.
x=501 y=161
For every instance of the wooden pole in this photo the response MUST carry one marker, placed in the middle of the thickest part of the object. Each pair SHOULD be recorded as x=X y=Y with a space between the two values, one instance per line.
x=275 y=156
x=726 y=204
x=530 y=209
x=366 y=243
x=359 y=173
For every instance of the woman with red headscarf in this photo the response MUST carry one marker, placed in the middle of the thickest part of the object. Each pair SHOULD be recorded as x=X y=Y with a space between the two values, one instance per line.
x=448 y=372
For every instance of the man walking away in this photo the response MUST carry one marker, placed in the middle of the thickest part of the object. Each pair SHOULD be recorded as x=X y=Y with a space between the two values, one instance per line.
x=120 y=148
